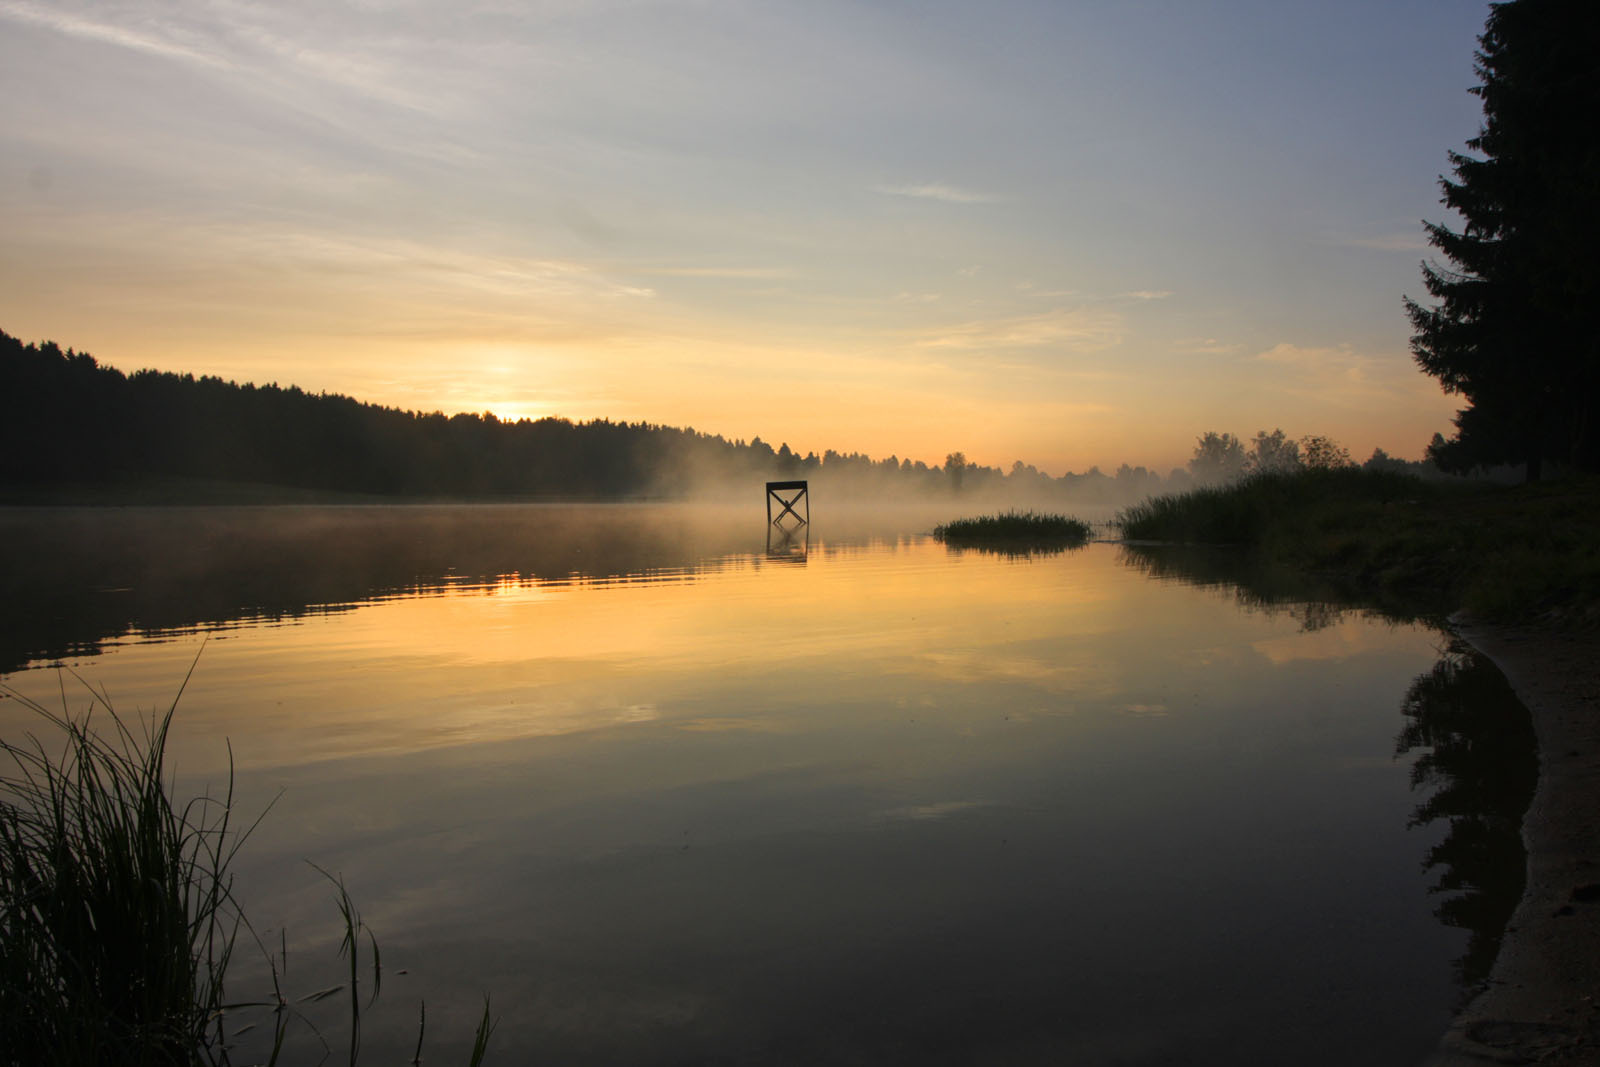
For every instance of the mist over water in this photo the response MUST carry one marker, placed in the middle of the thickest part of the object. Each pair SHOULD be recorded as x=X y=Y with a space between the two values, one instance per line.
x=673 y=793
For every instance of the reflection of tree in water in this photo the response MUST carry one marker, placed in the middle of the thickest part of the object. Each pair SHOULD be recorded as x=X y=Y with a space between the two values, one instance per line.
x=1476 y=753
x=1474 y=744
x=1254 y=585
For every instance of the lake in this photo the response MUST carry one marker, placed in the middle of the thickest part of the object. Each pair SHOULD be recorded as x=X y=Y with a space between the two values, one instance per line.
x=673 y=791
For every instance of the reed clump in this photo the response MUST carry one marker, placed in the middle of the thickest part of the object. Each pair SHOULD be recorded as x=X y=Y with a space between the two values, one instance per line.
x=1015 y=531
x=1252 y=511
x=116 y=908
x=117 y=914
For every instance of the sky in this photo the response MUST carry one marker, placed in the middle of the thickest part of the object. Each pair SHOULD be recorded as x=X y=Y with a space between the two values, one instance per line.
x=1067 y=233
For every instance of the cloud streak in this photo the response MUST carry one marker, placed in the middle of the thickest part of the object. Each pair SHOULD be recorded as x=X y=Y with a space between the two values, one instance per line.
x=1338 y=375
x=1079 y=329
x=757 y=273
x=74 y=25
x=948 y=194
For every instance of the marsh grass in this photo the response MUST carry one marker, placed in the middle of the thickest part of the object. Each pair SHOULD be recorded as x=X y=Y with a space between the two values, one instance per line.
x=116 y=909
x=1015 y=531
x=117 y=914
x=1251 y=511
x=1502 y=553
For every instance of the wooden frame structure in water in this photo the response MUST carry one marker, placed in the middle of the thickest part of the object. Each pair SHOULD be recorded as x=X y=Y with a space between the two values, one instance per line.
x=775 y=491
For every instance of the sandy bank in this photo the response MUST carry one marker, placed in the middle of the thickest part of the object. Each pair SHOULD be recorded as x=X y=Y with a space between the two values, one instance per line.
x=1542 y=1001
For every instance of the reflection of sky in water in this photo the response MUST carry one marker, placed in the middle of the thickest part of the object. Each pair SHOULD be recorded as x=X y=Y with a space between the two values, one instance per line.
x=896 y=804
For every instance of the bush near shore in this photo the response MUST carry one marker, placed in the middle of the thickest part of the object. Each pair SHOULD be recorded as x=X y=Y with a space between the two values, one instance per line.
x=1505 y=553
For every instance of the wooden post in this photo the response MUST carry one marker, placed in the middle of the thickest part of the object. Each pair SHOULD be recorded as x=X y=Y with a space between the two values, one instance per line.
x=776 y=490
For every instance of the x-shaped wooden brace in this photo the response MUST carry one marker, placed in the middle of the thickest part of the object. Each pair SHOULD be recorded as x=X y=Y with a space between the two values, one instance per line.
x=775 y=491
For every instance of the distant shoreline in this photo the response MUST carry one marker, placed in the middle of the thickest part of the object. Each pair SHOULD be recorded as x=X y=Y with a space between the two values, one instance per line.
x=1542 y=999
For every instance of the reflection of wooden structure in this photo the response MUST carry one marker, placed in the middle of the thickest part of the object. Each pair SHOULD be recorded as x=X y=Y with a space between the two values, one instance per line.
x=788 y=544
x=776 y=491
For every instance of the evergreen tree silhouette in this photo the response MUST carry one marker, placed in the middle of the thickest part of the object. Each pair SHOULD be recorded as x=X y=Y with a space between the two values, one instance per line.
x=1514 y=330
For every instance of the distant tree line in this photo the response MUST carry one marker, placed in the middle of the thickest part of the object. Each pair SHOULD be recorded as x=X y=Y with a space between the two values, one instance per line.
x=65 y=419
x=1220 y=458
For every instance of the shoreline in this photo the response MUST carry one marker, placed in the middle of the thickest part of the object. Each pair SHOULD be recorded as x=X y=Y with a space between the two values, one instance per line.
x=1541 y=1003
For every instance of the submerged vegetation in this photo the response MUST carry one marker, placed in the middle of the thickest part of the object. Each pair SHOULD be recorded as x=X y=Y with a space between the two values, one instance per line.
x=1015 y=531
x=1503 y=552
x=117 y=915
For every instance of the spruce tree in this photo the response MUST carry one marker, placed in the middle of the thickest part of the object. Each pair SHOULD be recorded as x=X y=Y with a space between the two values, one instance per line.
x=1514 y=327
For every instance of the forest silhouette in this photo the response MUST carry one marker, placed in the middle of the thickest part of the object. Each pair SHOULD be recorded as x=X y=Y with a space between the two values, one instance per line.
x=68 y=420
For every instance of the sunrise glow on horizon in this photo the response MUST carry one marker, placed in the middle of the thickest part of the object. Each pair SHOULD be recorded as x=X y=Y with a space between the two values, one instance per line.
x=1066 y=234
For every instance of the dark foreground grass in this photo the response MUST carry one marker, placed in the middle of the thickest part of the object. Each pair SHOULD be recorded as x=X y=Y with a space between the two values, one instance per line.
x=1014 y=531
x=117 y=916
x=1505 y=553
x=115 y=909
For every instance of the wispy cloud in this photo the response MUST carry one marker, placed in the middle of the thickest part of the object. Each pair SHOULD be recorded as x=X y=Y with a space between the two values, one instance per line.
x=237 y=41
x=1207 y=346
x=364 y=75
x=760 y=273
x=949 y=194
x=81 y=26
x=1340 y=375
x=1082 y=329
x=390 y=280
x=1292 y=355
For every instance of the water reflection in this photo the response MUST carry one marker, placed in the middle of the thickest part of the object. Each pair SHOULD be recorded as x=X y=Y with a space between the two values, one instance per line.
x=1472 y=740
x=895 y=805
x=1316 y=600
x=79 y=577
x=788 y=544
x=1476 y=756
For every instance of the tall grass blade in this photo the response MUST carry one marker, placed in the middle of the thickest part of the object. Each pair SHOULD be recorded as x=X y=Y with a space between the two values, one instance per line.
x=480 y=1042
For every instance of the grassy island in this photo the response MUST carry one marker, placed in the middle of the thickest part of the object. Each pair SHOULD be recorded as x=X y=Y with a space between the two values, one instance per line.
x=1014 y=531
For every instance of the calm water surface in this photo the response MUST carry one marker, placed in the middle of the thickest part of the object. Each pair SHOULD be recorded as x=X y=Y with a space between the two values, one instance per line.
x=671 y=799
